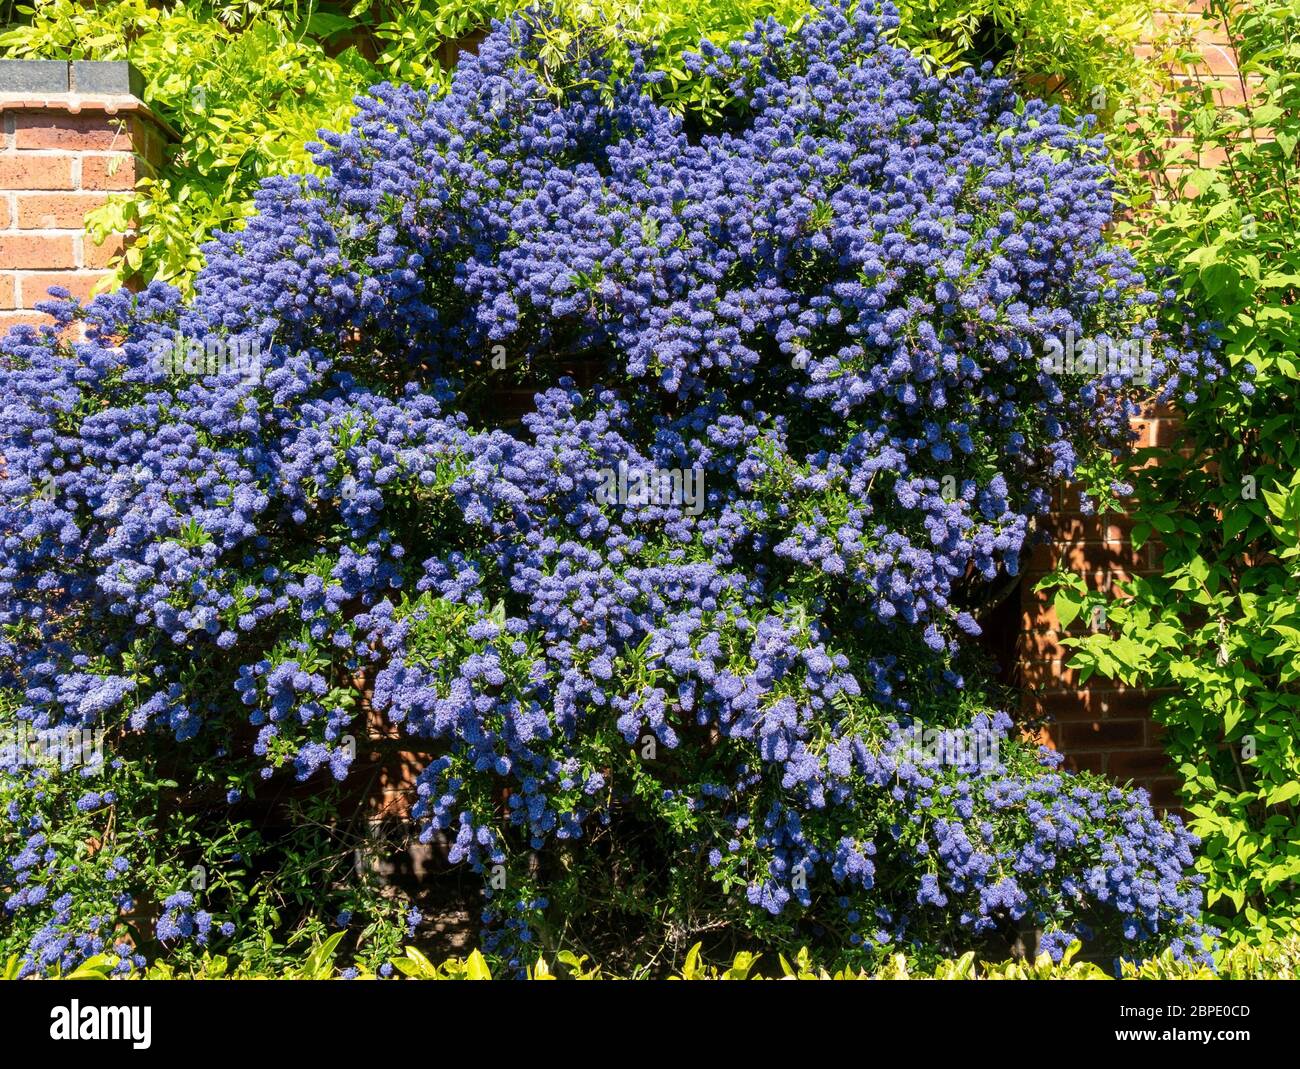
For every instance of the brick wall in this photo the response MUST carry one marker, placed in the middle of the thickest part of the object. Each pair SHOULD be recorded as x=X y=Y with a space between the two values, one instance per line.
x=71 y=134
x=1103 y=727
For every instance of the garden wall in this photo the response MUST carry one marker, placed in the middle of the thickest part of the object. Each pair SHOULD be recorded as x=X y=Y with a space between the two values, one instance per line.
x=72 y=134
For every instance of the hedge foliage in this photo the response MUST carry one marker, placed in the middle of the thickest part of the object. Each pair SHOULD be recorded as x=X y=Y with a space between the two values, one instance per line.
x=247 y=85
x=1278 y=960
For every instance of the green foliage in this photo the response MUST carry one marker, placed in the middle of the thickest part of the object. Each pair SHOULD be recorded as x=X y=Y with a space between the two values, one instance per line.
x=272 y=865
x=243 y=102
x=1273 y=960
x=1220 y=623
x=1278 y=960
x=1079 y=51
x=411 y=32
x=246 y=85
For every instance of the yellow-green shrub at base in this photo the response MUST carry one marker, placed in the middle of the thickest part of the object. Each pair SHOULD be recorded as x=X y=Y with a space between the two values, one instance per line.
x=1277 y=960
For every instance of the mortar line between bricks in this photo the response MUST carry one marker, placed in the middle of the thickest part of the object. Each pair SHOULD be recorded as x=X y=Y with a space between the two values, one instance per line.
x=48 y=231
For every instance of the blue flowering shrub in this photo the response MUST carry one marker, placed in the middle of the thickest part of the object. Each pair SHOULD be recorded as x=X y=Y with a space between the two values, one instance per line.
x=687 y=646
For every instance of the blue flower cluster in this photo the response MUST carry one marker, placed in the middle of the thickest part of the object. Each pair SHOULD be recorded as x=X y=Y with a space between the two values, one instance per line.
x=834 y=307
x=179 y=922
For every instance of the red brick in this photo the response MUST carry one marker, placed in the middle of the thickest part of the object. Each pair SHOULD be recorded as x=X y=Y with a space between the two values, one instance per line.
x=1103 y=574
x=149 y=142
x=1065 y=705
x=114 y=171
x=1090 y=528
x=1059 y=707
x=36 y=251
x=1107 y=700
x=101 y=255
x=1137 y=764
x=79 y=283
x=1167 y=432
x=14 y=319
x=56 y=211
x=30 y=170
x=1082 y=556
x=7 y=292
x=76 y=133
x=1217 y=59
x=1042 y=645
x=1086 y=762
x=1164 y=793
x=6 y=216
x=1156 y=735
x=1051 y=674
x=1102 y=735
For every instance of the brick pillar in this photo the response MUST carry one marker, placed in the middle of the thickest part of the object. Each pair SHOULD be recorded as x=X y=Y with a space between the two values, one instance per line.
x=72 y=134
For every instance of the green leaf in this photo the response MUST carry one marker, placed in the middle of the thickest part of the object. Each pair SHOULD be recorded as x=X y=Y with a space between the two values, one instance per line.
x=96 y=968
x=1067 y=604
x=1236 y=520
x=1284 y=792
x=476 y=968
